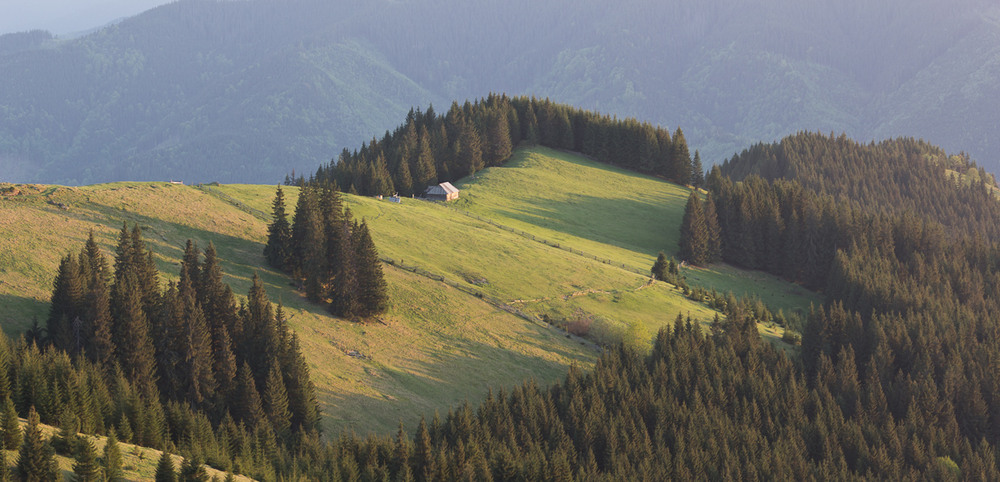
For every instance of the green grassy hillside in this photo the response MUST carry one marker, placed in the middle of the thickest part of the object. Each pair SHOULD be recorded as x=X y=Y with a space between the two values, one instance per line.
x=455 y=274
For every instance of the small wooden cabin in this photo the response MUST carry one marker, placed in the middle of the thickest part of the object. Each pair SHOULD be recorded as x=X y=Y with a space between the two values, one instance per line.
x=441 y=192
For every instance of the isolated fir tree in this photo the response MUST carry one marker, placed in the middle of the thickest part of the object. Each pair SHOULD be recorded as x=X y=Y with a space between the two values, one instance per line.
x=373 y=293
x=86 y=468
x=660 y=267
x=36 y=461
x=278 y=249
x=165 y=470
x=693 y=244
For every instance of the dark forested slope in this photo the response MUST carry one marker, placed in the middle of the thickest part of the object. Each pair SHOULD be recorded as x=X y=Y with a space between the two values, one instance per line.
x=245 y=91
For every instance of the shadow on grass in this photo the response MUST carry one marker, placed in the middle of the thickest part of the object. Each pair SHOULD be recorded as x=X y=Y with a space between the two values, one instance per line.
x=465 y=374
x=19 y=312
x=635 y=225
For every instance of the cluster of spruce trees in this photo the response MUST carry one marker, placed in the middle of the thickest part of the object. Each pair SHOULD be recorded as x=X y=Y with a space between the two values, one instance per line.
x=180 y=367
x=329 y=253
x=430 y=148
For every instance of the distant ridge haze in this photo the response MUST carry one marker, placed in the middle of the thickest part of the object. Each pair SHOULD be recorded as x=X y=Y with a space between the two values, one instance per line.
x=248 y=91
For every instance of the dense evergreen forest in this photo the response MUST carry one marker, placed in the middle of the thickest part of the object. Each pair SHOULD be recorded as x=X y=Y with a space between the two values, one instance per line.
x=183 y=368
x=430 y=148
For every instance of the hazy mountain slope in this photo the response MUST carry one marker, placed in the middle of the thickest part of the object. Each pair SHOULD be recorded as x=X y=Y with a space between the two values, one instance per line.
x=247 y=91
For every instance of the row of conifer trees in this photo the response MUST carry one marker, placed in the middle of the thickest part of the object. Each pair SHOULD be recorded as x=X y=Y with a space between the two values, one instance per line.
x=327 y=252
x=429 y=148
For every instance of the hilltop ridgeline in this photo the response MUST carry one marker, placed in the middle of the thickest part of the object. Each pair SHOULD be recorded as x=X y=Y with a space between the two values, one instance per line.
x=429 y=148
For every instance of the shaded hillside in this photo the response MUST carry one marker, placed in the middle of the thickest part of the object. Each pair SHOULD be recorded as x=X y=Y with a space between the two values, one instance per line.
x=248 y=91
x=895 y=177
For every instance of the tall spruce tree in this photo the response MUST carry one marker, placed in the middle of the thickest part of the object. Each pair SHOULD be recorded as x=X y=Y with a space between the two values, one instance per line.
x=165 y=470
x=697 y=171
x=344 y=293
x=278 y=251
x=86 y=468
x=680 y=158
x=693 y=243
x=373 y=293
x=65 y=311
x=714 y=247
x=275 y=402
x=135 y=347
x=11 y=425
x=112 y=460
x=36 y=461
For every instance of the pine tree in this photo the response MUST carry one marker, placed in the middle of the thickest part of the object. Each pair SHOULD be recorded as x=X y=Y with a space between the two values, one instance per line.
x=714 y=252
x=112 y=458
x=373 y=293
x=498 y=146
x=11 y=426
x=426 y=172
x=100 y=347
x=67 y=300
x=278 y=250
x=344 y=293
x=275 y=400
x=660 y=267
x=165 y=471
x=402 y=180
x=86 y=468
x=680 y=159
x=197 y=359
x=693 y=244
x=135 y=353
x=697 y=171
x=36 y=460
x=302 y=402
x=220 y=314
x=247 y=405
x=192 y=470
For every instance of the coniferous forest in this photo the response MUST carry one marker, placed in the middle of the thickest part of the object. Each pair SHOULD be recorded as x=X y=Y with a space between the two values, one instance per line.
x=896 y=377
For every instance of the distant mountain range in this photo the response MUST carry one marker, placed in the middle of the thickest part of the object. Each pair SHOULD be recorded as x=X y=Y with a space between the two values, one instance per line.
x=248 y=91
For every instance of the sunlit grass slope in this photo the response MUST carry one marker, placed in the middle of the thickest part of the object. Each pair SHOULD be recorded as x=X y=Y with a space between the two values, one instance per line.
x=608 y=212
x=436 y=347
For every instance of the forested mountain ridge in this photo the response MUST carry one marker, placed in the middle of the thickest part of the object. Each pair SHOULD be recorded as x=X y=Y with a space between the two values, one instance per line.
x=247 y=91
